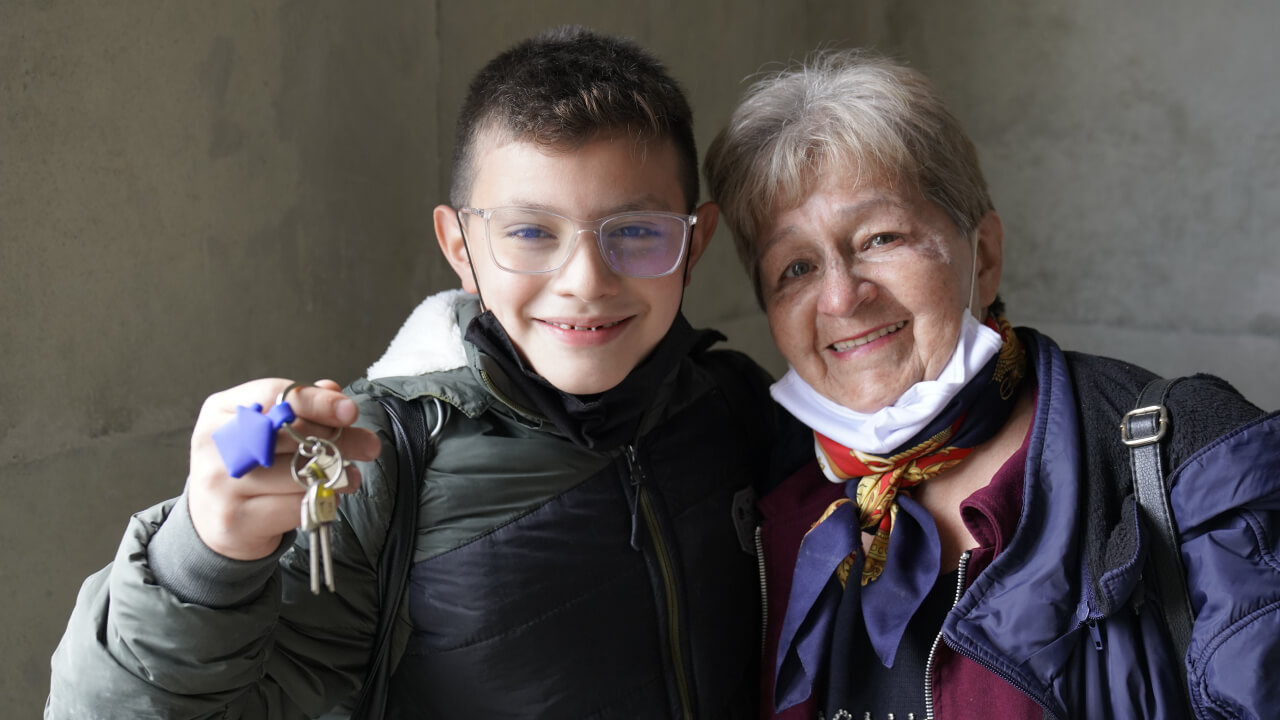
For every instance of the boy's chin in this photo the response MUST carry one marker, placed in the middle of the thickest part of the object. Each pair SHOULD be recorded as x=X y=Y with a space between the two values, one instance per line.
x=582 y=381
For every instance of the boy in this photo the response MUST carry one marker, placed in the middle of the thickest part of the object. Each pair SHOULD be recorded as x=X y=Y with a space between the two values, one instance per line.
x=577 y=553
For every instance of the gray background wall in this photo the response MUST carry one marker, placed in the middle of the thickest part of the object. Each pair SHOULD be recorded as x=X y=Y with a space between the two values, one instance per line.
x=196 y=195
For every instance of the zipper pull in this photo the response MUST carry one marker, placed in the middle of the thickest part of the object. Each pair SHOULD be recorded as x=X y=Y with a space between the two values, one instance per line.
x=633 y=466
x=1095 y=633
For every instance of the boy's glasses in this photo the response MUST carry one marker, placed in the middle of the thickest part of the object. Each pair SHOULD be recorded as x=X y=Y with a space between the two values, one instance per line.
x=646 y=244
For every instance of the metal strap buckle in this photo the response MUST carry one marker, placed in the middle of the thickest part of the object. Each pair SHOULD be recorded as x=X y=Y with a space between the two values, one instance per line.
x=1163 y=425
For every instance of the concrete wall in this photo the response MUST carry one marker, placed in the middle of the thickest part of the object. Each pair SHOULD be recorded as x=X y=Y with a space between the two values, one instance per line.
x=1132 y=152
x=194 y=196
x=191 y=196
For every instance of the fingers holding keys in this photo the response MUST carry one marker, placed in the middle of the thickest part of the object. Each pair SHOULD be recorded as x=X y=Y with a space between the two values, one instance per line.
x=245 y=486
x=235 y=419
x=322 y=404
x=324 y=412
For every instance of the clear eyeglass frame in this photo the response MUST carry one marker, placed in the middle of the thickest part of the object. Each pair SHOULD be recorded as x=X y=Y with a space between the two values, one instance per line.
x=593 y=226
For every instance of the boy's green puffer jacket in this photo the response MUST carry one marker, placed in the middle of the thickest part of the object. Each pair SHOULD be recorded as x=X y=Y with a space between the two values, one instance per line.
x=551 y=580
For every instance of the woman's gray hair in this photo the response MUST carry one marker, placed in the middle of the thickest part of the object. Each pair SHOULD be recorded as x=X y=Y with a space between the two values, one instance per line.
x=840 y=111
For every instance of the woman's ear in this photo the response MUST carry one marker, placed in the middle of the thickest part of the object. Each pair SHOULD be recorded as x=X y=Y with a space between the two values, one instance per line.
x=453 y=244
x=990 y=258
x=700 y=236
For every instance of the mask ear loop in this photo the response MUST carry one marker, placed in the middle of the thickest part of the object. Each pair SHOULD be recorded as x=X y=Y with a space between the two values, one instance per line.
x=973 y=276
x=688 y=259
x=466 y=247
x=684 y=283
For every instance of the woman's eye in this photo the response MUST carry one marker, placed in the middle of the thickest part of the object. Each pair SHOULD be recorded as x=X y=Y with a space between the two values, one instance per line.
x=881 y=240
x=796 y=269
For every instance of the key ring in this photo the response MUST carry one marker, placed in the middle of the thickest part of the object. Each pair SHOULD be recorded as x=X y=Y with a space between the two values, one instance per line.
x=249 y=439
x=312 y=451
x=288 y=427
x=320 y=458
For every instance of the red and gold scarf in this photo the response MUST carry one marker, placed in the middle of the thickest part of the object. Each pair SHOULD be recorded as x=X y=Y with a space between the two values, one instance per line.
x=971 y=419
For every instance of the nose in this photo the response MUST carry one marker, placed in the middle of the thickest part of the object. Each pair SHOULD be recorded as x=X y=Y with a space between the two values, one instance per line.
x=585 y=273
x=842 y=290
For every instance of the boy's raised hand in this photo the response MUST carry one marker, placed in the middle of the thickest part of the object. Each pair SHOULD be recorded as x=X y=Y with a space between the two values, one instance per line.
x=244 y=518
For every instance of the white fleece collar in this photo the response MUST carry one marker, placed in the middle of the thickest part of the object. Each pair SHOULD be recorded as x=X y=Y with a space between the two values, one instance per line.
x=429 y=341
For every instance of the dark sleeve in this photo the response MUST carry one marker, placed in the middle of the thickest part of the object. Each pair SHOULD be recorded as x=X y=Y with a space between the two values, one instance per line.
x=782 y=442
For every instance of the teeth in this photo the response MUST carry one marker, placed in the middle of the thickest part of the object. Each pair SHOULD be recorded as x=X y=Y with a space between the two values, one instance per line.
x=564 y=326
x=847 y=344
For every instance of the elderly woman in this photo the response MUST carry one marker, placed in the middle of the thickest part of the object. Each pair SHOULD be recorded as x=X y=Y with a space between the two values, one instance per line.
x=965 y=540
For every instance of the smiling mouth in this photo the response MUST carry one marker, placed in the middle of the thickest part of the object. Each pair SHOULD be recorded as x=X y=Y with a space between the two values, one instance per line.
x=869 y=337
x=590 y=328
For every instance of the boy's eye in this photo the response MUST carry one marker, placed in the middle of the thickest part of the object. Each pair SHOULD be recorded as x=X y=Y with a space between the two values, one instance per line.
x=634 y=232
x=527 y=232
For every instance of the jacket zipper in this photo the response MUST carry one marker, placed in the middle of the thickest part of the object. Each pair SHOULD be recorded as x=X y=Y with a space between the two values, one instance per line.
x=665 y=565
x=645 y=506
x=933 y=650
x=506 y=399
x=928 y=672
x=764 y=591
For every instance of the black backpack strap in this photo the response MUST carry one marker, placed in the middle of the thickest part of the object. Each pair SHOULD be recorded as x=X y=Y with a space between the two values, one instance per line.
x=413 y=440
x=1142 y=430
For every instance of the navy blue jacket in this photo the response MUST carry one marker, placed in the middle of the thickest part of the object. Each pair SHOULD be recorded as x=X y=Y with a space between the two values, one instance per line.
x=1062 y=613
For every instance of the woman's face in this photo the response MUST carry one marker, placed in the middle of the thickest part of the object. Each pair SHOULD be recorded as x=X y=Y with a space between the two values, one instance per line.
x=865 y=287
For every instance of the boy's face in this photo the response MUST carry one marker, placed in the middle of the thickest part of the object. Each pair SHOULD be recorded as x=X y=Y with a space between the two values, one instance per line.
x=583 y=327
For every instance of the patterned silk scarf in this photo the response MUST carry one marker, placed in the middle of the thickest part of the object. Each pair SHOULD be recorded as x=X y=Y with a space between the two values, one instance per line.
x=833 y=546
x=881 y=479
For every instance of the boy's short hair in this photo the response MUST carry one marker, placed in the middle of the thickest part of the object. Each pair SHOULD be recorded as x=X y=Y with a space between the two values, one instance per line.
x=566 y=87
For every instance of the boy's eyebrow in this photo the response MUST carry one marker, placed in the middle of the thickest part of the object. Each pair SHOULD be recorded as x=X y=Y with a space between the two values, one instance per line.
x=644 y=202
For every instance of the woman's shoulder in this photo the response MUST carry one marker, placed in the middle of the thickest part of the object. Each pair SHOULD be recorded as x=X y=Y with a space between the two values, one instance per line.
x=1201 y=407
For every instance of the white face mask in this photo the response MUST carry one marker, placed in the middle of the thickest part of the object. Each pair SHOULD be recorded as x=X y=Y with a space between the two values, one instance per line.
x=891 y=426
x=888 y=428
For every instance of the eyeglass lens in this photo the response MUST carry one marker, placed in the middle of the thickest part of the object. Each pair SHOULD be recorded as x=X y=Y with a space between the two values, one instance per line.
x=635 y=244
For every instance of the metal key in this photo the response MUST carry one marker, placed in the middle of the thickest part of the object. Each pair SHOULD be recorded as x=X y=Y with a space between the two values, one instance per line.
x=309 y=526
x=319 y=512
x=322 y=474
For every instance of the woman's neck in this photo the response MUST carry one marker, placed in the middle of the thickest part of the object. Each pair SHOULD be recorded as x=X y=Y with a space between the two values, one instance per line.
x=942 y=495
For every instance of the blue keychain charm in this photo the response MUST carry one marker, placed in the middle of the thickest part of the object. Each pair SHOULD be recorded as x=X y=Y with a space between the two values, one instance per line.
x=249 y=440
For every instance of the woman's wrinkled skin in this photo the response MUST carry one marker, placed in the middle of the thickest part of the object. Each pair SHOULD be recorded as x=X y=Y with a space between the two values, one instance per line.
x=865 y=287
